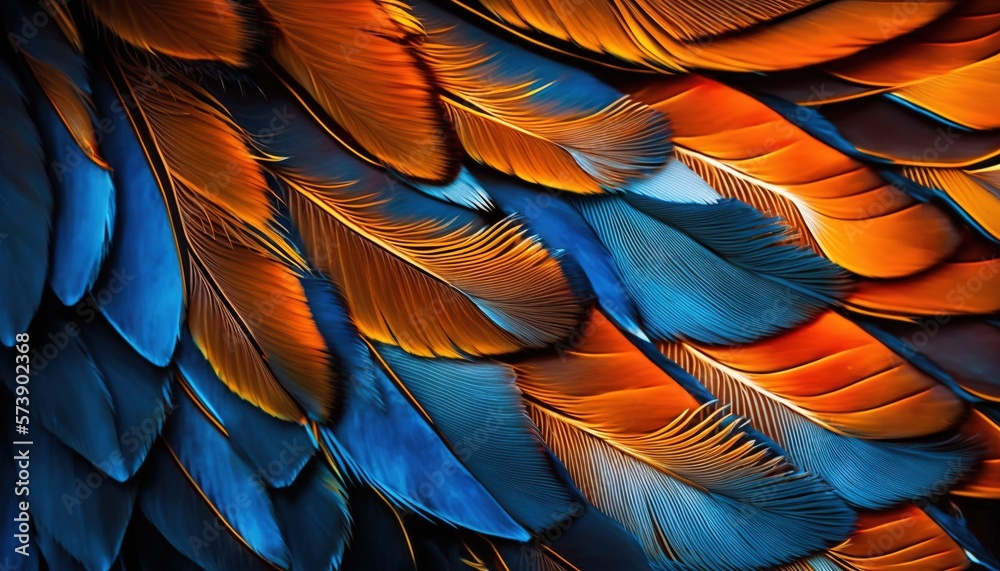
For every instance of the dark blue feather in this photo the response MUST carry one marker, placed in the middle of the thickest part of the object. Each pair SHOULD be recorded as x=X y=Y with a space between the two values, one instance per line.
x=25 y=211
x=478 y=410
x=33 y=31
x=147 y=550
x=314 y=518
x=351 y=357
x=757 y=243
x=275 y=450
x=141 y=289
x=140 y=393
x=181 y=515
x=393 y=449
x=80 y=508
x=196 y=484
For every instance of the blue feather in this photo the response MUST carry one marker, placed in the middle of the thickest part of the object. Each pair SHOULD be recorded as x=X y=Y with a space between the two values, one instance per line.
x=478 y=410
x=81 y=509
x=314 y=518
x=276 y=450
x=873 y=474
x=181 y=515
x=393 y=449
x=140 y=393
x=757 y=243
x=353 y=364
x=196 y=479
x=85 y=208
x=25 y=211
x=141 y=288
x=675 y=183
x=684 y=288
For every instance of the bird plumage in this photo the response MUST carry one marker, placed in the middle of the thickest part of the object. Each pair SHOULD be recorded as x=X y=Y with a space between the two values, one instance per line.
x=502 y=284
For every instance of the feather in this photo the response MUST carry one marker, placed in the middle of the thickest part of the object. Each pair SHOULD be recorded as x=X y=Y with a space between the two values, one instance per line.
x=530 y=117
x=961 y=350
x=198 y=485
x=870 y=474
x=388 y=445
x=55 y=556
x=955 y=527
x=631 y=436
x=655 y=35
x=917 y=543
x=903 y=539
x=665 y=504
x=77 y=506
x=426 y=256
x=188 y=29
x=84 y=221
x=141 y=291
x=26 y=213
x=274 y=449
x=953 y=288
x=313 y=515
x=614 y=387
x=140 y=394
x=855 y=217
x=968 y=34
x=71 y=102
x=680 y=19
x=340 y=52
x=752 y=291
x=478 y=410
x=879 y=399
x=155 y=553
x=239 y=267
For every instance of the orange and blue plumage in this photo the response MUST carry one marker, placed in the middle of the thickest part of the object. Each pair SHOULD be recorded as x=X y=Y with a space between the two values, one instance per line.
x=502 y=284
